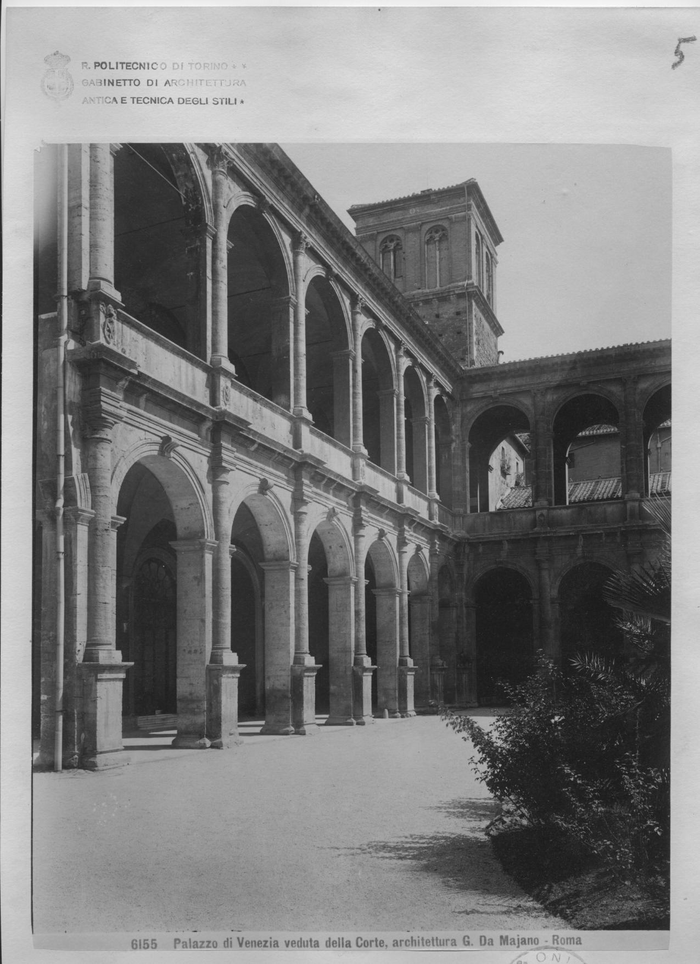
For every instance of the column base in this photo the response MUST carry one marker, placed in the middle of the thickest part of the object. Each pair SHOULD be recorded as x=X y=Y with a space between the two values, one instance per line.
x=304 y=695
x=222 y=703
x=102 y=715
x=339 y=721
x=386 y=715
x=276 y=729
x=362 y=691
x=222 y=362
x=406 y=686
x=185 y=742
x=106 y=760
x=359 y=458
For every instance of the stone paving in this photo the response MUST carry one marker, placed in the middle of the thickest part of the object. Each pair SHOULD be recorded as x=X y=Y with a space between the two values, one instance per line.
x=365 y=828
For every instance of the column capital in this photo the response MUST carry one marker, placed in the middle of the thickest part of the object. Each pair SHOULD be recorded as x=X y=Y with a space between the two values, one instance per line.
x=100 y=412
x=358 y=303
x=301 y=242
x=117 y=521
x=348 y=353
x=282 y=565
x=217 y=159
x=221 y=464
x=340 y=580
x=194 y=545
x=79 y=515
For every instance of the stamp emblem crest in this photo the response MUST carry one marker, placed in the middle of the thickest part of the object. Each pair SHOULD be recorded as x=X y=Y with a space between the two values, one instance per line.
x=57 y=83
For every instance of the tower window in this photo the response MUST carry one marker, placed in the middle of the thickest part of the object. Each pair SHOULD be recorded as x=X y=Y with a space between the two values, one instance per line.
x=478 y=259
x=489 y=276
x=391 y=257
x=436 y=257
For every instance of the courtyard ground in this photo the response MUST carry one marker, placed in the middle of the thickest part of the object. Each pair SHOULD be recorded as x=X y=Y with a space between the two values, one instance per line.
x=365 y=828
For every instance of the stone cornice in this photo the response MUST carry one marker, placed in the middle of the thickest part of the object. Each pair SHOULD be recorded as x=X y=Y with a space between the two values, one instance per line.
x=475 y=292
x=594 y=365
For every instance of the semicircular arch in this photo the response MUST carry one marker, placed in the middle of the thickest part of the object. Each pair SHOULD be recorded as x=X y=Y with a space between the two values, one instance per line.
x=336 y=544
x=494 y=567
x=384 y=563
x=276 y=532
x=180 y=481
x=570 y=395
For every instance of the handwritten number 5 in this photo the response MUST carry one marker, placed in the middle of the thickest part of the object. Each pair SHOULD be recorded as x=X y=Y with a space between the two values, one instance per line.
x=678 y=52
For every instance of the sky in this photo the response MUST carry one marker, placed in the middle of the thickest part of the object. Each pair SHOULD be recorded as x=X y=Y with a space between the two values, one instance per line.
x=586 y=257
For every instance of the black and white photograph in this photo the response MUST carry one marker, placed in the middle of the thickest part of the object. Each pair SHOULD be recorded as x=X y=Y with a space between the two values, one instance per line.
x=346 y=603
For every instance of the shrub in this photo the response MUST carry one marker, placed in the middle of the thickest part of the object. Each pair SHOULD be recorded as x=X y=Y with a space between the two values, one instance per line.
x=566 y=758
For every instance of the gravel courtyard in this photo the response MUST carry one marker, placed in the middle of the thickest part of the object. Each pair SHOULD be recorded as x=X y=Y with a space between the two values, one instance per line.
x=365 y=828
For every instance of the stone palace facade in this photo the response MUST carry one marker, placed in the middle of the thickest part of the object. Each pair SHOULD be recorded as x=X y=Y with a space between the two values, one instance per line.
x=263 y=451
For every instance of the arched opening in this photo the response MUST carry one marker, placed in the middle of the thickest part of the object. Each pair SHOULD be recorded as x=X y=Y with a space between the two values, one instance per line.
x=436 y=257
x=416 y=430
x=146 y=596
x=382 y=627
x=160 y=595
x=419 y=626
x=504 y=633
x=378 y=402
x=318 y=621
x=586 y=451
x=262 y=598
x=588 y=622
x=156 y=251
x=331 y=622
x=247 y=613
x=371 y=623
x=153 y=644
x=443 y=452
x=259 y=309
x=656 y=422
x=391 y=258
x=499 y=454
x=447 y=630
x=327 y=362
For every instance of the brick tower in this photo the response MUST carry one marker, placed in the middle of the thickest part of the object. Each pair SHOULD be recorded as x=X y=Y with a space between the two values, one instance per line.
x=439 y=249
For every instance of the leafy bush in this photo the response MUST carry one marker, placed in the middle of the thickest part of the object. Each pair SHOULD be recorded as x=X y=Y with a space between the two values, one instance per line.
x=565 y=757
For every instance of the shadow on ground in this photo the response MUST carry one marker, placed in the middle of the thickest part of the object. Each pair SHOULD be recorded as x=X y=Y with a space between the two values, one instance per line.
x=469 y=809
x=463 y=861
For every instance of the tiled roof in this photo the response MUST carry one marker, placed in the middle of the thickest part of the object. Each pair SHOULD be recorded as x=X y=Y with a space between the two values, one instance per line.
x=578 y=354
x=660 y=483
x=407 y=197
x=519 y=497
x=600 y=430
x=595 y=490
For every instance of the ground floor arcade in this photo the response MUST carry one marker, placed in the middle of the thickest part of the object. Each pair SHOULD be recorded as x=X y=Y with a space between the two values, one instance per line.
x=212 y=589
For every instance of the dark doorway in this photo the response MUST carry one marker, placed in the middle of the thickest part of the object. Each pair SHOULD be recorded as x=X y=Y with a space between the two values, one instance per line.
x=504 y=638
x=318 y=621
x=588 y=623
x=246 y=637
x=153 y=650
x=371 y=624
